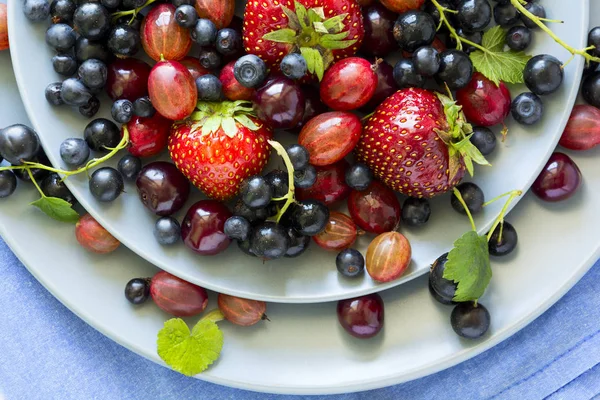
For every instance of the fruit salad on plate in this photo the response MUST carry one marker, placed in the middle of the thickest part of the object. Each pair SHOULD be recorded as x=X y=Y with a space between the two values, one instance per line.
x=385 y=97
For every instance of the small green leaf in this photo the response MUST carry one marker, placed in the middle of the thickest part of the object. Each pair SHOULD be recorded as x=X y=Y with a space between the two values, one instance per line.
x=285 y=35
x=247 y=122
x=57 y=209
x=335 y=24
x=302 y=14
x=495 y=63
x=320 y=28
x=454 y=163
x=293 y=21
x=189 y=353
x=468 y=265
x=229 y=127
x=320 y=11
x=469 y=154
x=336 y=44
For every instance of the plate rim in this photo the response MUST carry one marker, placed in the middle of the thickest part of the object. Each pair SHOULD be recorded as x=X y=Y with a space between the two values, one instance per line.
x=97 y=214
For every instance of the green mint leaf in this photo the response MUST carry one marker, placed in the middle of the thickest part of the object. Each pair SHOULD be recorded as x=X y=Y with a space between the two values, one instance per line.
x=189 y=353
x=285 y=35
x=57 y=209
x=293 y=21
x=495 y=63
x=302 y=14
x=468 y=265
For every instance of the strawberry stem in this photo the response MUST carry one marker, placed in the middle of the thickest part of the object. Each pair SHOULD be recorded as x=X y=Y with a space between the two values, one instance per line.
x=289 y=197
x=462 y=202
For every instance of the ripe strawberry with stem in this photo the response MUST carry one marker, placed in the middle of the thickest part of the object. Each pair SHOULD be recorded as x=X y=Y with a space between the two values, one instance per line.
x=417 y=143
x=219 y=146
x=323 y=31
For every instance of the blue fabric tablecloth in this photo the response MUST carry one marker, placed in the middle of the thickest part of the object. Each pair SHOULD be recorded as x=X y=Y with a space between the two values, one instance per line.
x=55 y=355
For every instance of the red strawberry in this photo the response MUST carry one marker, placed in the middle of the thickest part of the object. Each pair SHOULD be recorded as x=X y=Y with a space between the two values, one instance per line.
x=321 y=30
x=219 y=146
x=417 y=142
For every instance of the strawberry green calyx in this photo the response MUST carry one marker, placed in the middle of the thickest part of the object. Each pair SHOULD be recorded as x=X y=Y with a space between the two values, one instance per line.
x=210 y=117
x=457 y=138
x=313 y=36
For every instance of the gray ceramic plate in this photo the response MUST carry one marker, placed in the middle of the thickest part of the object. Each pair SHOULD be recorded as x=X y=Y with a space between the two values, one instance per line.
x=313 y=277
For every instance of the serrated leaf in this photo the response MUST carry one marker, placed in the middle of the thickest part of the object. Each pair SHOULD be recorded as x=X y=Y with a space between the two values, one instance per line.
x=302 y=14
x=57 y=209
x=189 y=353
x=285 y=35
x=495 y=63
x=293 y=21
x=468 y=265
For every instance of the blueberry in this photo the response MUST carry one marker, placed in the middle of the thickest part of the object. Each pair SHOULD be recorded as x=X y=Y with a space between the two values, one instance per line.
x=278 y=180
x=143 y=107
x=350 y=263
x=91 y=108
x=543 y=74
x=293 y=66
x=470 y=321
x=204 y=32
x=53 y=186
x=415 y=212
x=209 y=88
x=256 y=192
x=36 y=10
x=52 y=94
x=186 y=16
x=74 y=152
x=305 y=178
x=527 y=108
x=444 y=289
x=61 y=37
x=238 y=228
x=359 y=176
x=590 y=89
x=250 y=71
x=124 y=41
x=86 y=49
x=537 y=10
x=472 y=195
x=594 y=40
x=137 y=290
x=299 y=156
x=228 y=42
x=8 y=183
x=406 y=75
x=426 y=61
x=456 y=69
x=506 y=14
x=298 y=243
x=518 y=38
x=64 y=64
x=101 y=134
x=269 y=241
x=92 y=21
x=484 y=139
x=18 y=143
x=503 y=245
x=209 y=59
x=414 y=29
x=129 y=166
x=74 y=93
x=310 y=217
x=93 y=73
x=122 y=111
x=106 y=184
x=167 y=231
x=474 y=15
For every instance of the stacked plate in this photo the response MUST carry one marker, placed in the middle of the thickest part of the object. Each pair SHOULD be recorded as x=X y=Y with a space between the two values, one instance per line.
x=302 y=349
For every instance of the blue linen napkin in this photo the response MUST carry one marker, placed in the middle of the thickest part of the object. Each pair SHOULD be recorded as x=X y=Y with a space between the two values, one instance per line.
x=58 y=356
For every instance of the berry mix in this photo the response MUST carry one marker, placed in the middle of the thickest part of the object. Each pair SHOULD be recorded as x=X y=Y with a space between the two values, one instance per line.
x=218 y=89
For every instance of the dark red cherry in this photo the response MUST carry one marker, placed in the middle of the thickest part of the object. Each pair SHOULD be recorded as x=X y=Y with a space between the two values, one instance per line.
x=280 y=103
x=127 y=78
x=313 y=106
x=362 y=317
x=162 y=188
x=202 y=228
x=375 y=210
x=379 y=24
x=484 y=103
x=386 y=86
x=330 y=186
x=559 y=179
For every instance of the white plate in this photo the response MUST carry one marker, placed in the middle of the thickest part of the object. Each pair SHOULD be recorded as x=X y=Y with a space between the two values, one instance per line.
x=303 y=350
x=313 y=277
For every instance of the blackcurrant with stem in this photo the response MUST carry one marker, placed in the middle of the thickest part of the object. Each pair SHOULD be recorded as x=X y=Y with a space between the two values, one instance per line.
x=102 y=134
x=472 y=195
x=502 y=245
x=469 y=320
x=19 y=143
x=53 y=186
x=106 y=184
x=443 y=288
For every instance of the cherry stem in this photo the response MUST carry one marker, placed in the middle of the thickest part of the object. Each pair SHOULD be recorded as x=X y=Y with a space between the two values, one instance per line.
x=462 y=202
x=34 y=182
x=289 y=197
x=500 y=219
x=519 y=5
x=215 y=316
x=91 y=164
